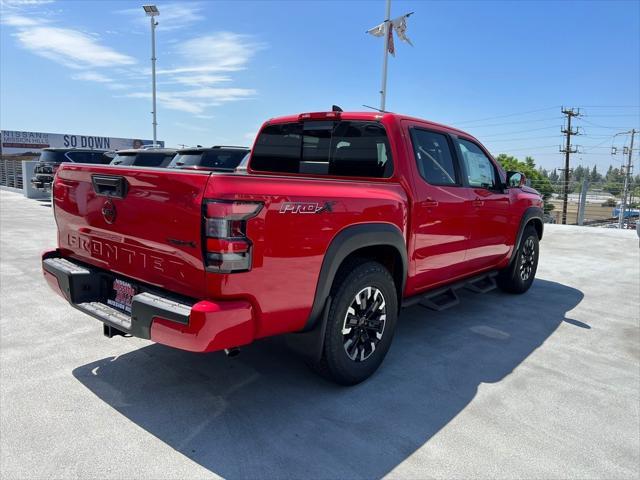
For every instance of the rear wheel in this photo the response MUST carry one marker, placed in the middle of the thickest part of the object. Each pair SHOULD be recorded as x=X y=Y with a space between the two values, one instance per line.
x=518 y=277
x=360 y=324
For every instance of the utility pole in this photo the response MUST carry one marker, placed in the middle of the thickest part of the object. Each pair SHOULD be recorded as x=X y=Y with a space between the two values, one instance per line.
x=152 y=12
x=625 y=191
x=567 y=150
x=385 y=60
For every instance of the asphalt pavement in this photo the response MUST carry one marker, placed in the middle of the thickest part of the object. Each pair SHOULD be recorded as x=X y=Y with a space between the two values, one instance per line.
x=541 y=385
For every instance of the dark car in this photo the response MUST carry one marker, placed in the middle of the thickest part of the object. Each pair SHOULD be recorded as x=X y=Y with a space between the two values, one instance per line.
x=150 y=157
x=51 y=158
x=210 y=158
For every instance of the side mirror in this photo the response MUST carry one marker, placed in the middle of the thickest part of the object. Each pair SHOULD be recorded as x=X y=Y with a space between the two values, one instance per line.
x=516 y=179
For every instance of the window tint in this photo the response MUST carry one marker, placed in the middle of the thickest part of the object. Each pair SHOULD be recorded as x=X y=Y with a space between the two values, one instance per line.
x=227 y=159
x=121 y=159
x=51 y=156
x=86 y=157
x=143 y=159
x=433 y=155
x=479 y=169
x=152 y=159
x=346 y=148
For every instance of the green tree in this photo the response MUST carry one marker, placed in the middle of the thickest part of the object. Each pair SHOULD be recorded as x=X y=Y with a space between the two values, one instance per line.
x=528 y=168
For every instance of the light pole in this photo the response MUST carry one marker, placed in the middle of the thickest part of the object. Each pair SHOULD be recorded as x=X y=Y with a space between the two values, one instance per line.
x=152 y=12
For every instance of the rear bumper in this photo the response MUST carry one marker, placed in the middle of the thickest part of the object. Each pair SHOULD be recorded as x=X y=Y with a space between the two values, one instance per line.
x=196 y=326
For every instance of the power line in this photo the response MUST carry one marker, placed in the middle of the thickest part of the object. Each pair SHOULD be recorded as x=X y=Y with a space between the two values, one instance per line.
x=520 y=139
x=609 y=106
x=514 y=123
x=518 y=131
x=602 y=126
x=508 y=115
x=637 y=115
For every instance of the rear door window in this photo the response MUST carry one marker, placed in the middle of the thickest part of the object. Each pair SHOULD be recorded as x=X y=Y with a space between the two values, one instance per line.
x=433 y=157
x=344 y=148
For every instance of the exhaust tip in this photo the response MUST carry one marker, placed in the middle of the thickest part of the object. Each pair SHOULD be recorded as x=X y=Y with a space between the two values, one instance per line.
x=232 y=352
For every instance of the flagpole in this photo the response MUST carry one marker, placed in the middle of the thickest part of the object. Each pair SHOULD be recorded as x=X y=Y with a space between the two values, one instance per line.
x=387 y=25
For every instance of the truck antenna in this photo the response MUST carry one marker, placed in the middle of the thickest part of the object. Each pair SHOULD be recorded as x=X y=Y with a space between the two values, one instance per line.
x=374 y=108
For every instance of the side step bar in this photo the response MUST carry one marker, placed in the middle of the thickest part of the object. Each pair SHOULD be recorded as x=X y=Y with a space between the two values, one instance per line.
x=446 y=297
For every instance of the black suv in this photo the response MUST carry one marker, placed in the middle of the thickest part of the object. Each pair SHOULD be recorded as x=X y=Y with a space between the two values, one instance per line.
x=51 y=158
x=210 y=158
x=149 y=157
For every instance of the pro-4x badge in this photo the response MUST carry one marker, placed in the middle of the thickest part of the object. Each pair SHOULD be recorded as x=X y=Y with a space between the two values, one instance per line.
x=306 y=207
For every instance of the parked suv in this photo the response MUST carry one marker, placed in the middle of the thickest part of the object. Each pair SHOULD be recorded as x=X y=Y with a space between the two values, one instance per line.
x=342 y=219
x=210 y=158
x=149 y=157
x=51 y=158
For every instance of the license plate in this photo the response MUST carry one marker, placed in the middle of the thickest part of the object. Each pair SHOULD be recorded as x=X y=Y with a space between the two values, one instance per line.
x=122 y=295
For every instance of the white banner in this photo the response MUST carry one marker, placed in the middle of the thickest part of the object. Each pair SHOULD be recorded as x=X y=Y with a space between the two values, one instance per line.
x=20 y=143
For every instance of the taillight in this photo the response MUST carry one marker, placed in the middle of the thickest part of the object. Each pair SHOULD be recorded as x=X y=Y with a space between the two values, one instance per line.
x=227 y=248
x=319 y=116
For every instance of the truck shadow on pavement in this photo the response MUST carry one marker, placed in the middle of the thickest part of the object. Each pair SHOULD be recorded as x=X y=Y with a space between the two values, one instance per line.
x=265 y=415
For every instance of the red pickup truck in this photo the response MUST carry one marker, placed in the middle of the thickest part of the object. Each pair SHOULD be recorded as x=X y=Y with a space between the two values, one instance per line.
x=341 y=220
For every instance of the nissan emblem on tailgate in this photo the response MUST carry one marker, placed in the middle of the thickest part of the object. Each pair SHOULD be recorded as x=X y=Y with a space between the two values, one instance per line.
x=109 y=211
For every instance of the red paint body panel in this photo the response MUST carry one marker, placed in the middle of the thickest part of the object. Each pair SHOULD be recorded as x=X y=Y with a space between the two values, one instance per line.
x=212 y=326
x=157 y=236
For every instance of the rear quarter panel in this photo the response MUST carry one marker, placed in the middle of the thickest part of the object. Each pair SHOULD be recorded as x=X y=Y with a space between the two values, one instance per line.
x=289 y=247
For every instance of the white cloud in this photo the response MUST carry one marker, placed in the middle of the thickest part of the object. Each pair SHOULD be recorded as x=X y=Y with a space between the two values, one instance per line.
x=18 y=21
x=219 y=52
x=173 y=16
x=71 y=48
x=24 y=3
x=196 y=101
x=92 y=77
x=201 y=79
x=201 y=65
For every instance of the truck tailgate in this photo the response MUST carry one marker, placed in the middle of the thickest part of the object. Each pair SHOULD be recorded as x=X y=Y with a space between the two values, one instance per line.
x=142 y=223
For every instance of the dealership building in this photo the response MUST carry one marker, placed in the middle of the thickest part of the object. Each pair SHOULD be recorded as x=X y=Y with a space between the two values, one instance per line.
x=19 y=152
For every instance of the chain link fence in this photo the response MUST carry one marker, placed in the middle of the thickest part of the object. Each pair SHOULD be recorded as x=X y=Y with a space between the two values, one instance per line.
x=590 y=203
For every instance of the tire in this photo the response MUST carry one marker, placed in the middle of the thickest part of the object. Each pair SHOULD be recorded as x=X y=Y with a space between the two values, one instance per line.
x=360 y=324
x=518 y=277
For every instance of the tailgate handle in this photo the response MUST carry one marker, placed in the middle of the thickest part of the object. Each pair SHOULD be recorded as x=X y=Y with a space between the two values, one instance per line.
x=110 y=186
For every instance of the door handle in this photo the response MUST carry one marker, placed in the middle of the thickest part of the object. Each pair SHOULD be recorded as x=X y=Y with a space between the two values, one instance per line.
x=477 y=203
x=429 y=202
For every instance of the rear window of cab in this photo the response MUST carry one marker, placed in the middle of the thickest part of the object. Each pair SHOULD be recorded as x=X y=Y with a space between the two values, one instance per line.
x=331 y=148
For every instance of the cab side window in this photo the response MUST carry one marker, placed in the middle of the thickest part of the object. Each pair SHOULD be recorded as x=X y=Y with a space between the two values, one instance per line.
x=479 y=170
x=434 y=157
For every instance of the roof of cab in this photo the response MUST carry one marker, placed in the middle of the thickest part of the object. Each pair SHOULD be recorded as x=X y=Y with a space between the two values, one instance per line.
x=215 y=147
x=370 y=116
x=136 y=151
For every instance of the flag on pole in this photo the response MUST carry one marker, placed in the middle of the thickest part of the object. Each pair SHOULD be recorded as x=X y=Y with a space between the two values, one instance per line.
x=377 y=31
x=399 y=25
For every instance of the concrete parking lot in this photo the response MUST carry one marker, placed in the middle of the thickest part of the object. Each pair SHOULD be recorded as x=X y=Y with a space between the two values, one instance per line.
x=543 y=385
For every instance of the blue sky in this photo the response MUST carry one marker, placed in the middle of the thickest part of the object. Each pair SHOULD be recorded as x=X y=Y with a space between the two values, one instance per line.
x=499 y=70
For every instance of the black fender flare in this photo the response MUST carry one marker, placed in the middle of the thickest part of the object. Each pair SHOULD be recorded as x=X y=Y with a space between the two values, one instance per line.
x=310 y=340
x=345 y=243
x=530 y=215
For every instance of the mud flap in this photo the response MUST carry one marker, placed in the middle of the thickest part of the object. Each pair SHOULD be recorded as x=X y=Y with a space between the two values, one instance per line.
x=311 y=343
